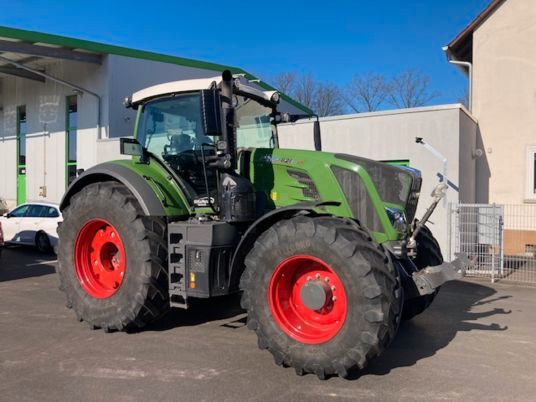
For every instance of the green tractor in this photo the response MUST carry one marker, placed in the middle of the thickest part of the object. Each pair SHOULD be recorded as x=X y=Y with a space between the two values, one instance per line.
x=324 y=247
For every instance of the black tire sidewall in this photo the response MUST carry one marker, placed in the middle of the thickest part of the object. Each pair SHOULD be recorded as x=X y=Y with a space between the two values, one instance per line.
x=369 y=283
x=102 y=312
x=319 y=249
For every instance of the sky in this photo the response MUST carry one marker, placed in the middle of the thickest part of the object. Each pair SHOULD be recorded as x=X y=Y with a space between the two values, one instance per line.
x=333 y=40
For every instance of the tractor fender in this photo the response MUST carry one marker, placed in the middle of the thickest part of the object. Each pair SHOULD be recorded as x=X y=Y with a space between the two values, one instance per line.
x=258 y=227
x=138 y=186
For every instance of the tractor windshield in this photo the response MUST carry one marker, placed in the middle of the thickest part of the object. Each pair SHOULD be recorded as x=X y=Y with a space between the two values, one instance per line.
x=254 y=124
x=171 y=129
x=172 y=126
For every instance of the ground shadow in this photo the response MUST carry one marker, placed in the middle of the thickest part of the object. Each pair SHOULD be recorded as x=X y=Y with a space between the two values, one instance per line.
x=417 y=339
x=201 y=311
x=434 y=329
x=19 y=262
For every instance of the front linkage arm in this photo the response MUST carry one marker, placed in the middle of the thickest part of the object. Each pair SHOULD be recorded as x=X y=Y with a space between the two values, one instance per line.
x=429 y=279
x=438 y=194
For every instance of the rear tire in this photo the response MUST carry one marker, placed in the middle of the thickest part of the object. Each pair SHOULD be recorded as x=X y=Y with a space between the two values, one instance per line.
x=129 y=288
x=428 y=255
x=313 y=341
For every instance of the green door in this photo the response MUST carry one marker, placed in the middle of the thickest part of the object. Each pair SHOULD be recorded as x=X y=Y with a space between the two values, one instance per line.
x=21 y=154
x=70 y=139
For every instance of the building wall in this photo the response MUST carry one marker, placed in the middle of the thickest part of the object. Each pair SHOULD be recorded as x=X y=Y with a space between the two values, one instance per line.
x=468 y=158
x=504 y=97
x=46 y=119
x=108 y=149
x=391 y=136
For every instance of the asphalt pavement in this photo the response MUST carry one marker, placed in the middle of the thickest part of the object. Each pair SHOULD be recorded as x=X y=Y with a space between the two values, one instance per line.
x=476 y=342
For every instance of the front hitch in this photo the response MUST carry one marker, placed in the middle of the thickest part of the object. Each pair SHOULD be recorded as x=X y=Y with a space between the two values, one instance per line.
x=429 y=279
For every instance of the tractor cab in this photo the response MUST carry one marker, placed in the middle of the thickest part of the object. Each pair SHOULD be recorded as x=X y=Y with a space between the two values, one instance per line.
x=182 y=125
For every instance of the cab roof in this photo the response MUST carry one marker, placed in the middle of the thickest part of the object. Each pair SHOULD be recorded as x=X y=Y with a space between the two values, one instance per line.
x=174 y=87
x=197 y=84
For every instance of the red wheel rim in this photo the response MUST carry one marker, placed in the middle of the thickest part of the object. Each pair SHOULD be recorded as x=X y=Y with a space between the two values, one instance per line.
x=296 y=316
x=99 y=258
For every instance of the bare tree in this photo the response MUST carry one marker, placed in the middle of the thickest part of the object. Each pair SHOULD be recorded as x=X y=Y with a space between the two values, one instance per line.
x=285 y=82
x=410 y=88
x=366 y=93
x=305 y=90
x=328 y=100
x=324 y=99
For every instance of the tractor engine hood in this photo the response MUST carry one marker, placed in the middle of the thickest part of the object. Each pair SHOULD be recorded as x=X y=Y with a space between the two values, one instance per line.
x=397 y=186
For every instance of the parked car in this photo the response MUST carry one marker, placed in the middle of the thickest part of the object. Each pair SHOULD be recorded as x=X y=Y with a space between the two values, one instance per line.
x=32 y=224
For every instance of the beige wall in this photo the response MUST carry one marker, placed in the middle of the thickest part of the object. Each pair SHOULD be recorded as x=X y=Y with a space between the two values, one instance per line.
x=504 y=98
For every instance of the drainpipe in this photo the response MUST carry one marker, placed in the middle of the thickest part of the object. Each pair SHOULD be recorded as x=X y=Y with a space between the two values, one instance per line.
x=74 y=87
x=452 y=60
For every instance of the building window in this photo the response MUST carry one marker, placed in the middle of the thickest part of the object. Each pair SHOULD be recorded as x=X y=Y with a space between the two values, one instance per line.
x=71 y=133
x=21 y=134
x=531 y=173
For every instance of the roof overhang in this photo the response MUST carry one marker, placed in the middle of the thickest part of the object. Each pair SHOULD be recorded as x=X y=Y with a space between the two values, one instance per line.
x=37 y=55
x=461 y=47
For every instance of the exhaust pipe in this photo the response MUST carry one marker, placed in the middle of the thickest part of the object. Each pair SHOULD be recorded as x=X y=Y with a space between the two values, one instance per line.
x=229 y=133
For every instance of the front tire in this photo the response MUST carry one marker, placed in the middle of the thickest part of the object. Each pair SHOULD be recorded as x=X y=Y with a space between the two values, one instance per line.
x=322 y=296
x=112 y=260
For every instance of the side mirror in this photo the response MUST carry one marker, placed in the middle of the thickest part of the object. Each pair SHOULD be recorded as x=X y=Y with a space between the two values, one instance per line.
x=6 y=215
x=130 y=146
x=211 y=111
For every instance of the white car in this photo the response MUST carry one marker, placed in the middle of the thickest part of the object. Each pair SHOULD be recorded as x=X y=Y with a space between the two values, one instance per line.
x=32 y=224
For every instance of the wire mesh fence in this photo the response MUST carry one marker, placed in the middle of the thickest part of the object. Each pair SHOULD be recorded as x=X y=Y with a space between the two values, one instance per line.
x=500 y=240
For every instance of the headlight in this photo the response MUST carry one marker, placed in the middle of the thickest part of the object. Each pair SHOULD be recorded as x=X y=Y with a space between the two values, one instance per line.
x=397 y=218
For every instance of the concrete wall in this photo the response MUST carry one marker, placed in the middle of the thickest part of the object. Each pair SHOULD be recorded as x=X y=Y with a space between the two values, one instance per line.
x=504 y=98
x=391 y=136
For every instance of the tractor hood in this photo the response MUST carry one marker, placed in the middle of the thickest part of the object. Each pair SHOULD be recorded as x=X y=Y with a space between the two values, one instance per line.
x=367 y=190
x=396 y=185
